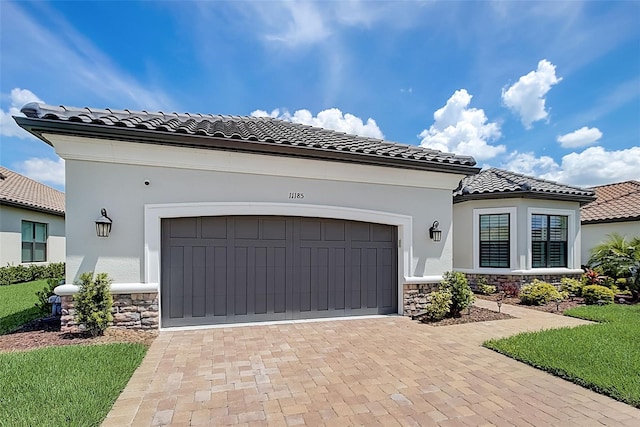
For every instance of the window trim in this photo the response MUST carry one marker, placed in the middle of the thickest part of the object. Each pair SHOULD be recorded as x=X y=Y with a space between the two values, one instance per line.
x=513 y=238
x=33 y=241
x=572 y=240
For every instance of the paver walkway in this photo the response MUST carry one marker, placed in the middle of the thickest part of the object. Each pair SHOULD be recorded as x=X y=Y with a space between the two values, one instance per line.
x=378 y=371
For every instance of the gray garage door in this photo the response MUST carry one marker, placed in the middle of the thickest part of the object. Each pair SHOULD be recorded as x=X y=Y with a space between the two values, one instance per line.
x=249 y=268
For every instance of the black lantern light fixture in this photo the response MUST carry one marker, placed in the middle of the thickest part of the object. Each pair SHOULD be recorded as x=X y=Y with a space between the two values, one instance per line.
x=103 y=224
x=434 y=232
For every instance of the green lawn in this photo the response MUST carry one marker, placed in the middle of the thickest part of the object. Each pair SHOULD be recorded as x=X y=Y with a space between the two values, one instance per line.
x=17 y=304
x=604 y=357
x=64 y=386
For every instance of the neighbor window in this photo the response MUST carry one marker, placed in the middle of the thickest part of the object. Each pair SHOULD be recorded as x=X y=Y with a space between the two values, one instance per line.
x=549 y=240
x=494 y=240
x=34 y=241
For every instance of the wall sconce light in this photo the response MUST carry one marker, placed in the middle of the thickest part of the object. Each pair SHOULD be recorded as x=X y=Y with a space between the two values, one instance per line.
x=103 y=224
x=434 y=232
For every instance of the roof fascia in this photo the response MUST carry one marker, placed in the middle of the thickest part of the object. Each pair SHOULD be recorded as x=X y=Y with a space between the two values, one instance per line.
x=37 y=127
x=30 y=207
x=524 y=195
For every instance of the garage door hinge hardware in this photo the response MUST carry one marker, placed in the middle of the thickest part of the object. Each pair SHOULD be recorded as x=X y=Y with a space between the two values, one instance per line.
x=399 y=243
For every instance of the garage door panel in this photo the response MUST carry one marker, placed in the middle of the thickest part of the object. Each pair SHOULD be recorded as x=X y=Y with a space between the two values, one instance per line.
x=214 y=227
x=248 y=269
x=199 y=281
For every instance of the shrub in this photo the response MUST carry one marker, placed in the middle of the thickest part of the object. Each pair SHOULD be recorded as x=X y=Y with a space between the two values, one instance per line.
x=93 y=302
x=510 y=289
x=571 y=286
x=43 y=305
x=439 y=305
x=538 y=293
x=594 y=293
x=27 y=273
x=483 y=288
x=461 y=294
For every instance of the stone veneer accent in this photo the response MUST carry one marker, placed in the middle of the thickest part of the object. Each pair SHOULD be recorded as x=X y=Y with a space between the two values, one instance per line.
x=415 y=297
x=499 y=280
x=130 y=311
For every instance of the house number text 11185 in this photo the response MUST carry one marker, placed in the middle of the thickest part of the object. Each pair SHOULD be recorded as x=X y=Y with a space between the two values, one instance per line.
x=296 y=195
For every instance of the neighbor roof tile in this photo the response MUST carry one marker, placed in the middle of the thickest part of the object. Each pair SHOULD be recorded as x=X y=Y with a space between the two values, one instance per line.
x=18 y=190
x=614 y=202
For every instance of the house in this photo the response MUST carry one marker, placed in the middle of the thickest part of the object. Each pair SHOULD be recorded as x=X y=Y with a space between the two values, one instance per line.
x=31 y=221
x=512 y=228
x=225 y=219
x=616 y=209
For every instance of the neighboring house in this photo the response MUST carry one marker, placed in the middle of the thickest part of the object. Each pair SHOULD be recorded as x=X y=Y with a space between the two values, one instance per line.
x=240 y=219
x=31 y=221
x=615 y=210
x=511 y=228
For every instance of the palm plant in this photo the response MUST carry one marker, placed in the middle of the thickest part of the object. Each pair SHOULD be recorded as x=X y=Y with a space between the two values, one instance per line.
x=618 y=257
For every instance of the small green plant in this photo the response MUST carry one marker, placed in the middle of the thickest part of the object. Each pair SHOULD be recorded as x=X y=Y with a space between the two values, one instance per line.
x=571 y=286
x=93 y=302
x=43 y=305
x=595 y=294
x=439 y=305
x=461 y=294
x=539 y=293
x=483 y=287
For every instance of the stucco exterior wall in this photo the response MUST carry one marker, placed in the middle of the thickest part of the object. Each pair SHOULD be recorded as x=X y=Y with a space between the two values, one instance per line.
x=11 y=234
x=112 y=175
x=464 y=258
x=594 y=234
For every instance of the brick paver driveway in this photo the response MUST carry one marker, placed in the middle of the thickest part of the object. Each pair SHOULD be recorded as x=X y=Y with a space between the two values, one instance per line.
x=377 y=371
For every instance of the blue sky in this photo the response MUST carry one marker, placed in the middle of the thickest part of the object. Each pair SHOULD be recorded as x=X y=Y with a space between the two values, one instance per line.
x=550 y=89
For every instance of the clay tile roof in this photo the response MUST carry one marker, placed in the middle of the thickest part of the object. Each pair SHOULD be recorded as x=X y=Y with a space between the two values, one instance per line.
x=259 y=134
x=614 y=202
x=18 y=190
x=497 y=183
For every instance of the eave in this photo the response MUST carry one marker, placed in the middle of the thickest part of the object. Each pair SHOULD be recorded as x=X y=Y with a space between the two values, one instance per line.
x=40 y=127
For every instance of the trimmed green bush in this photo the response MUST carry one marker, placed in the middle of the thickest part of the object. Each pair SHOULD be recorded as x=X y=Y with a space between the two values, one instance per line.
x=93 y=302
x=539 y=293
x=439 y=305
x=594 y=293
x=486 y=289
x=461 y=294
x=28 y=273
x=571 y=286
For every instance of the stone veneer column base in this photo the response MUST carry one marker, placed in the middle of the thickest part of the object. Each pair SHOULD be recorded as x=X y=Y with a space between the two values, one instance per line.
x=130 y=311
x=415 y=296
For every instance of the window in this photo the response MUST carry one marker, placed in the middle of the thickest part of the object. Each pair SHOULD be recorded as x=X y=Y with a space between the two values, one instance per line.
x=34 y=241
x=494 y=241
x=549 y=235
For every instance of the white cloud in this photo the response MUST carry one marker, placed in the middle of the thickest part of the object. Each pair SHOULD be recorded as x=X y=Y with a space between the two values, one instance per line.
x=462 y=130
x=43 y=170
x=593 y=166
x=300 y=23
x=331 y=118
x=580 y=138
x=529 y=164
x=19 y=97
x=527 y=96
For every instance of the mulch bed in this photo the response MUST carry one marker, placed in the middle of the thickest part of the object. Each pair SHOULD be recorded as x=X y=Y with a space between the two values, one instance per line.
x=46 y=332
x=476 y=314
